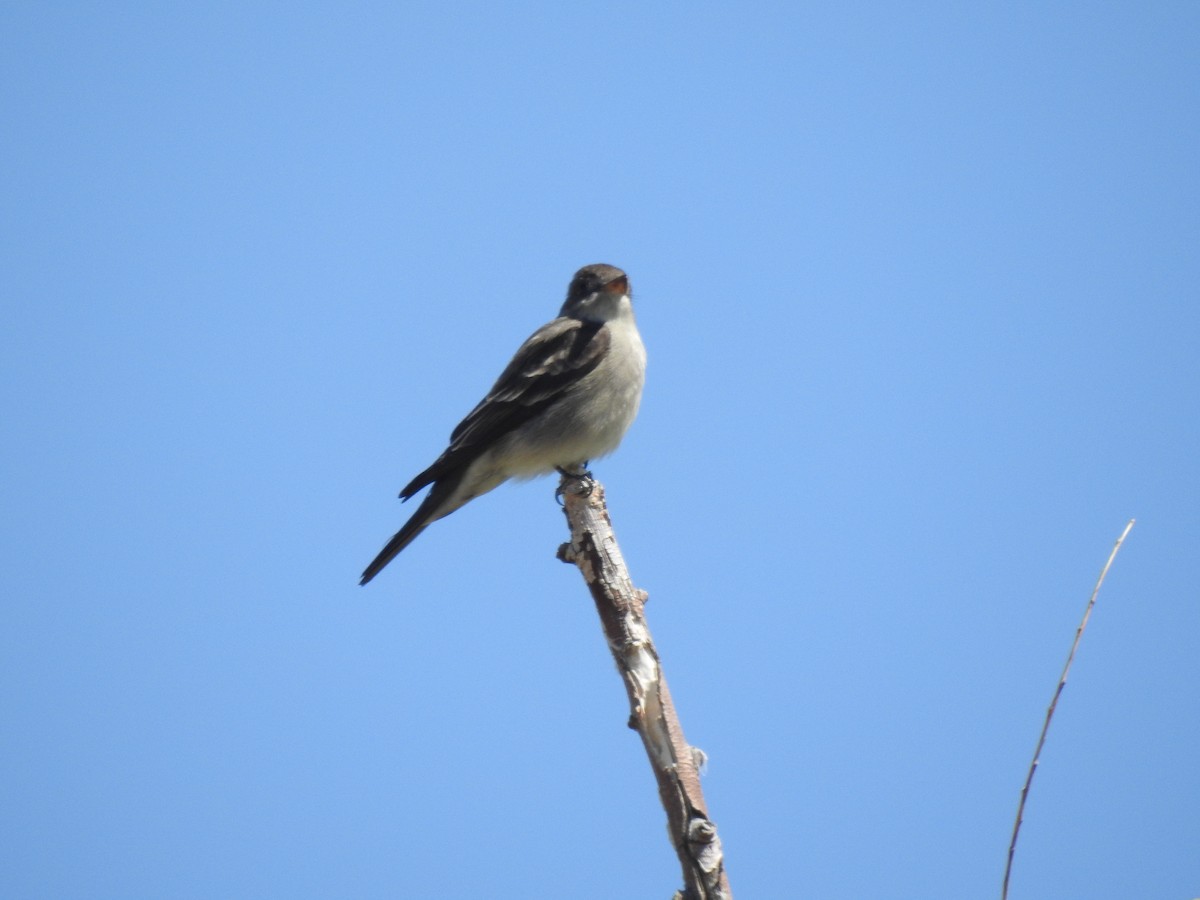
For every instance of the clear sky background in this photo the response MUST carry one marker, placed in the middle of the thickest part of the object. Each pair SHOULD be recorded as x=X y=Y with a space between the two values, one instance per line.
x=919 y=289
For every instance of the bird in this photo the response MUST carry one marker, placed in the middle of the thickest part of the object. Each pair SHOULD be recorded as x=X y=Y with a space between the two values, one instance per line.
x=567 y=397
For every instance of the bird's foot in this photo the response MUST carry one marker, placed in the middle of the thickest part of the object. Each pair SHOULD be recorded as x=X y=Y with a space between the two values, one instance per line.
x=581 y=476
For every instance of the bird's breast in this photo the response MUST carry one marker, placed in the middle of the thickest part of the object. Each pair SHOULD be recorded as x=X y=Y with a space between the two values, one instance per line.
x=591 y=418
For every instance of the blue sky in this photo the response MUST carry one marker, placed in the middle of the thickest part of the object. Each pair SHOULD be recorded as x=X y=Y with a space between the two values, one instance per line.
x=919 y=289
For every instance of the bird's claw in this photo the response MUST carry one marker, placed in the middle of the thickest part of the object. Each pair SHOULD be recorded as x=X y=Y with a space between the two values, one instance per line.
x=583 y=477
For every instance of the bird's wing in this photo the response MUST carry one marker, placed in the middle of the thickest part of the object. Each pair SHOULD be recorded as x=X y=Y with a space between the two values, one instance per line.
x=554 y=358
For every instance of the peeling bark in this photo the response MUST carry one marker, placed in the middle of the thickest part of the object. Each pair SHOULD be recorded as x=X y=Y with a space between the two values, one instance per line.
x=593 y=548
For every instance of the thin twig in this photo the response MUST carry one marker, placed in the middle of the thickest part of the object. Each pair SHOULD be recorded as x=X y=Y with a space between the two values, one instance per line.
x=1062 y=682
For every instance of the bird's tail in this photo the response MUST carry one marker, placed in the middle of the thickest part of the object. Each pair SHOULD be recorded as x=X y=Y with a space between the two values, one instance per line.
x=399 y=541
x=436 y=504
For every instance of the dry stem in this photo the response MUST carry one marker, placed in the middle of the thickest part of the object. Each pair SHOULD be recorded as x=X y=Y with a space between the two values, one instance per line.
x=1062 y=683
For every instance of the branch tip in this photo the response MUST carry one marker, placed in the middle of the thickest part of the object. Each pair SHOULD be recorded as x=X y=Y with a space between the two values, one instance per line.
x=1062 y=682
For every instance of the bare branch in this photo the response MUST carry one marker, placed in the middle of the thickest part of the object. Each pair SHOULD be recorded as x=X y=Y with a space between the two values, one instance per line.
x=593 y=548
x=1062 y=683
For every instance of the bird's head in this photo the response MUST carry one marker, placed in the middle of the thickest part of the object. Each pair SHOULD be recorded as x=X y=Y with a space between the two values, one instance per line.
x=597 y=293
